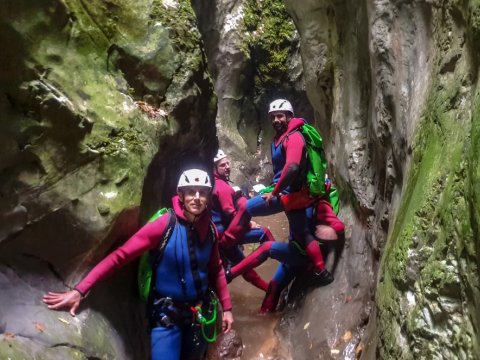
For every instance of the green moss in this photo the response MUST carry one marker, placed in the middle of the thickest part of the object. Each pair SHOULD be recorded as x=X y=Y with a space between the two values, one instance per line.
x=190 y=63
x=116 y=141
x=474 y=169
x=430 y=223
x=269 y=35
x=108 y=21
x=471 y=243
x=474 y=20
x=180 y=22
x=391 y=319
x=433 y=273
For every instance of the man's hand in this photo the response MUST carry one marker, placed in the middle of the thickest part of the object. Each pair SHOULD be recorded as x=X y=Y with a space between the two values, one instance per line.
x=69 y=300
x=227 y=321
x=254 y=225
x=268 y=197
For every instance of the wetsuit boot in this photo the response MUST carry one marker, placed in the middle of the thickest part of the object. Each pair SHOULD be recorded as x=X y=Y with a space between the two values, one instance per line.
x=272 y=296
x=321 y=275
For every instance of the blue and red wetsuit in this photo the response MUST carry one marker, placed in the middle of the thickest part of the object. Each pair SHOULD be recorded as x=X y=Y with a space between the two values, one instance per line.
x=289 y=167
x=175 y=278
x=292 y=260
x=233 y=225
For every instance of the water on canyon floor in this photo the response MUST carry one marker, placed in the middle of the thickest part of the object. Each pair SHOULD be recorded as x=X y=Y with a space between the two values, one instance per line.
x=258 y=331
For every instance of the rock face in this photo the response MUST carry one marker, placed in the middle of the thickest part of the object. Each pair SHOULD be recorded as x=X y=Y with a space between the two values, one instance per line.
x=253 y=55
x=228 y=347
x=103 y=103
x=394 y=87
x=96 y=98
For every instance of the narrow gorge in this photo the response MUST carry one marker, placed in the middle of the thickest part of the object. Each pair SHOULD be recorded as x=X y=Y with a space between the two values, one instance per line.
x=104 y=102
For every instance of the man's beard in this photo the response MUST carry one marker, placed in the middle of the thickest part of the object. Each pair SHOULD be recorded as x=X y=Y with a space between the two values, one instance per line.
x=225 y=175
x=280 y=128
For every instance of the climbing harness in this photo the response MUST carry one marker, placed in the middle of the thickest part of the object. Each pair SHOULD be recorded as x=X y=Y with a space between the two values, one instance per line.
x=168 y=313
x=204 y=322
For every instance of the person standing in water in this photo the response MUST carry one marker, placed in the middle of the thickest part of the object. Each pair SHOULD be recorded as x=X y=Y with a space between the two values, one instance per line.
x=189 y=267
x=233 y=222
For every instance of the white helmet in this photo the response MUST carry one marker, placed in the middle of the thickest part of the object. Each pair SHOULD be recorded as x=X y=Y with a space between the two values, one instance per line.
x=194 y=177
x=280 y=105
x=220 y=155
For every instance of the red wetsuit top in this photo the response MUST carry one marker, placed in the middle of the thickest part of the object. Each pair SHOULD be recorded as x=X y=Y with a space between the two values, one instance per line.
x=294 y=149
x=147 y=238
x=233 y=213
x=223 y=199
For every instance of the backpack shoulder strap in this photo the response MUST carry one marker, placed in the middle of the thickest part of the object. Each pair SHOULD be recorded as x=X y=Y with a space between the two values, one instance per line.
x=299 y=129
x=158 y=252
x=213 y=232
x=194 y=261
x=155 y=258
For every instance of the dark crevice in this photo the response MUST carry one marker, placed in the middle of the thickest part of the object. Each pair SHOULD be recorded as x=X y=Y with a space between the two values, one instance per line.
x=49 y=266
x=78 y=348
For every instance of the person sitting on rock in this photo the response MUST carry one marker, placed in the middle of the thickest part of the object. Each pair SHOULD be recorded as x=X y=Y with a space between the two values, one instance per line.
x=327 y=229
x=290 y=193
x=233 y=222
x=190 y=265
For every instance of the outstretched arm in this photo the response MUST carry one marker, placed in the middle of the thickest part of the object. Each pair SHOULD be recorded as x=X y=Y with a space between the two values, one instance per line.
x=146 y=238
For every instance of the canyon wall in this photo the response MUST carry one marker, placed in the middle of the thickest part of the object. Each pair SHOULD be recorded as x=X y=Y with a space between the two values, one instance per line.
x=103 y=103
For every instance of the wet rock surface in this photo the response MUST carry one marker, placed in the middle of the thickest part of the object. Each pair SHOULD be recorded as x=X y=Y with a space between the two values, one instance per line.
x=78 y=157
x=252 y=50
x=392 y=85
x=228 y=346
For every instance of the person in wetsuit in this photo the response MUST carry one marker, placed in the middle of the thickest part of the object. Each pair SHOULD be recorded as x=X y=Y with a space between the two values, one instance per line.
x=290 y=193
x=189 y=267
x=233 y=222
x=328 y=230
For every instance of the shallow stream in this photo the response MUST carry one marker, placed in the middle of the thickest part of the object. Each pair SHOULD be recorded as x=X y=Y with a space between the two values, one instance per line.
x=258 y=331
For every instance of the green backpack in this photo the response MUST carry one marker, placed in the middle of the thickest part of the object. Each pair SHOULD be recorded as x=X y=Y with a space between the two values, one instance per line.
x=149 y=259
x=317 y=164
x=334 y=199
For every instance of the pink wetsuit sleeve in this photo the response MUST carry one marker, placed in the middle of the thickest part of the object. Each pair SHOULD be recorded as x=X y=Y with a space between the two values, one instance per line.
x=217 y=278
x=293 y=146
x=146 y=238
x=225 y=199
